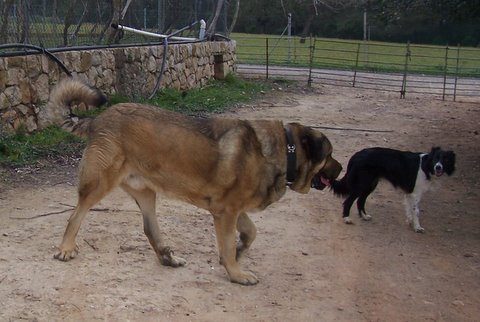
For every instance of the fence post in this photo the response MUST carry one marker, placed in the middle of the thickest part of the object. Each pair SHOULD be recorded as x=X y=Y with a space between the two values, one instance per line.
x=408 y=56
x=456 y=73
x=289 y=33
x=266 y=53
x=356 y=65
x=445 y=73
x=312 y=48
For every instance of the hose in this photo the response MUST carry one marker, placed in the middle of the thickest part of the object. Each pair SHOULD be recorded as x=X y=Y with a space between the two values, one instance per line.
x=40 y=50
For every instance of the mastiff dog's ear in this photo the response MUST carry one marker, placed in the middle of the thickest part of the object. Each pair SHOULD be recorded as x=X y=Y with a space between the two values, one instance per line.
x=316 y=145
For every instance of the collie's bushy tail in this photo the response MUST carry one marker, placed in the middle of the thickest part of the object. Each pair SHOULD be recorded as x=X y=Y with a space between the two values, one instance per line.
x=67 y=94
x=340 y=187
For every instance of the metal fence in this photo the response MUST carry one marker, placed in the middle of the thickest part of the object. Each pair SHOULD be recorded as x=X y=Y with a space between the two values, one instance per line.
x=60 y=24
x=449 y=72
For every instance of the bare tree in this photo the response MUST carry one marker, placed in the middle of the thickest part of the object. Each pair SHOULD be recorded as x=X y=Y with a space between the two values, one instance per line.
x=70 y=15
x=314 y=6
x=24 y=21
x=234 y=18
x=5 y=7
x=114 y=34
x=213 y=25
x=80 y=22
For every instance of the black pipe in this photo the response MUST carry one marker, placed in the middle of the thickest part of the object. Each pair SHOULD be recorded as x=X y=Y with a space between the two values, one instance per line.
x=74 y=48
x=40 y=50
x=164 y=61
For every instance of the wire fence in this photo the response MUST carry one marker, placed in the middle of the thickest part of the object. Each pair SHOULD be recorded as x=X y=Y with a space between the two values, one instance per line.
x=449 y=72
x=62 y=24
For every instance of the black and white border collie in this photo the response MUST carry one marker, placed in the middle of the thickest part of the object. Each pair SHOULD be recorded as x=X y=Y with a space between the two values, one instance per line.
x=408 y=171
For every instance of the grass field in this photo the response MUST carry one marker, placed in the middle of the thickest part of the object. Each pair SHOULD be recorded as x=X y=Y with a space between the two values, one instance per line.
x=344 y=54
x=315 y=52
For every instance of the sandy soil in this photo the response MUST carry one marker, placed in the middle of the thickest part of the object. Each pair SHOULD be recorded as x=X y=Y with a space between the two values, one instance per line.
x=312 y=267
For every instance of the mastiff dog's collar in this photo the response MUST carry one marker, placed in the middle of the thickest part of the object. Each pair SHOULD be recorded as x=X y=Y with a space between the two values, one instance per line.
x=291 y=157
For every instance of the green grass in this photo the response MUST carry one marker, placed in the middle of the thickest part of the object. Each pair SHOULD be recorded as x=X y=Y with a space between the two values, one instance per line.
x=21 y=149
x=213 y=98
x=359 y=55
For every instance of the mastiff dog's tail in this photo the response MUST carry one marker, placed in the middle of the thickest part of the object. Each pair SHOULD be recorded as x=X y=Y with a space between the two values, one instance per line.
x=66 y=99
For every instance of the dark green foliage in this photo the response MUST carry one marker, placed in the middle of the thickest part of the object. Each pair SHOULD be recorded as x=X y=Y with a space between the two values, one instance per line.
x=418 y=21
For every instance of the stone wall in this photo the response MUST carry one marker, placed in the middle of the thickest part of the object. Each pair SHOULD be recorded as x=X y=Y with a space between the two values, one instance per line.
x=26 y=81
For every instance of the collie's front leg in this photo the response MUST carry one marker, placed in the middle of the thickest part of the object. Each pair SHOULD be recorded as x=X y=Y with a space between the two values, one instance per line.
x=412 y=211
x=409 y=209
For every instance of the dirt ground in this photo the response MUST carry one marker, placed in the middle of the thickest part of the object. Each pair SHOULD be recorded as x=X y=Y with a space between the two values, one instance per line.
x=311 y=266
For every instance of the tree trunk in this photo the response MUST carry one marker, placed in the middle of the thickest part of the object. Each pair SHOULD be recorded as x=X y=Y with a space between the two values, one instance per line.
x=68 y=21
x=5 y=7
x=24 y=21
x=312 y=12
x=80 y=22
x=114 y=34
x=213 y=25
x=235 y=16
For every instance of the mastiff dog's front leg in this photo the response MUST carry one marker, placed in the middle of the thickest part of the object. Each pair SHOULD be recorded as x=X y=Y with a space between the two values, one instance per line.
x=225 y=228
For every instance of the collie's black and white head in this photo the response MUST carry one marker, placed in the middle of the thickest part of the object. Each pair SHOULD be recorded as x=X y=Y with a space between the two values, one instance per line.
x=440 y=162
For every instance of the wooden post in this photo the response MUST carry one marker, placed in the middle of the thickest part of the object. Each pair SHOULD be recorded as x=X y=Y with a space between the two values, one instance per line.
x=266 y=53
x=289 y=33
x=312 y=49
x=445 y=73
x=356 y=65
x=456 y=73
x=408 y=56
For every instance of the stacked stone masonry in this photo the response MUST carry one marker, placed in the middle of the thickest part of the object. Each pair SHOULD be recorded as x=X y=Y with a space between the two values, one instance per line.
x=26 y=81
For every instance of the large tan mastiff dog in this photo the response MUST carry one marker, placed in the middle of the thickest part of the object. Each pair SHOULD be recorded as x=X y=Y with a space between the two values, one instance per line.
x=226 y=166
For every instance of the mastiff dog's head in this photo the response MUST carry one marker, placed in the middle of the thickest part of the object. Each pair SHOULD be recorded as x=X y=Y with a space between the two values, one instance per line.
x=315 y=166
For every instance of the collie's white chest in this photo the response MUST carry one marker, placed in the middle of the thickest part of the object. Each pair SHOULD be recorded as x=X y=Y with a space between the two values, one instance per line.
x=422 y=184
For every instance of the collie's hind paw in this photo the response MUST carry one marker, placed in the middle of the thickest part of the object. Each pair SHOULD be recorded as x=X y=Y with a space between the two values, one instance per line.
x=168 y=259
x=419 y=229
x=348 y=220
x=366 y=217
